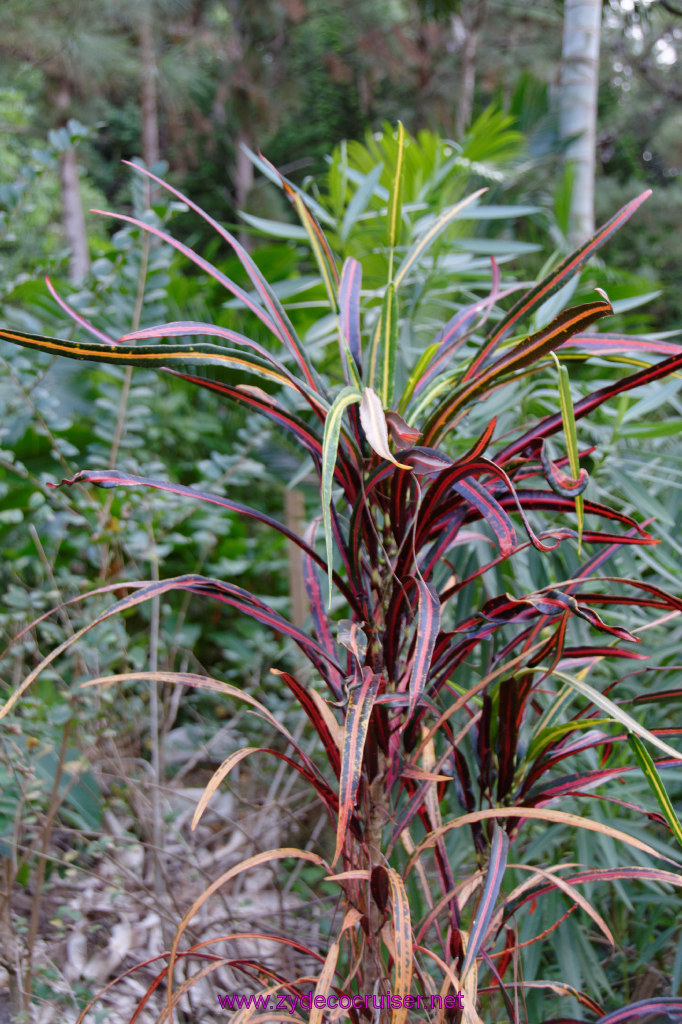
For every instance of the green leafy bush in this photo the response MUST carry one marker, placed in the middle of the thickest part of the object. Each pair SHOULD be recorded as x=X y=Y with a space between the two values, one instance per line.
x=449 y=650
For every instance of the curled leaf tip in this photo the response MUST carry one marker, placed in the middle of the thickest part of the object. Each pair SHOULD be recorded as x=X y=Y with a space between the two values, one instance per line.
x=62 y=482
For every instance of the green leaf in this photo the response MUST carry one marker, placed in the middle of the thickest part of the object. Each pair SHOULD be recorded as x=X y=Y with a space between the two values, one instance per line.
x=275 y=228
x=646 y=763
x=358 y=203
x=395 y=203
x=542 y=738
x=417 y=374
x=330 y=443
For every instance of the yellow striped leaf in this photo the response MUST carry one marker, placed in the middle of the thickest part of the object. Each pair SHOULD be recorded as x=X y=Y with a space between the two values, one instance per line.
x=360 y=704
x=383 y=348
x=324 y=983
x=525 y=353
x=323 y=256
x=402 y=937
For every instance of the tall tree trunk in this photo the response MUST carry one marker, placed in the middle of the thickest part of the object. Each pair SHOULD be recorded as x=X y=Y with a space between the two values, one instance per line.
x=243 y=171
x=73 y=218
x=149 y=97
x=466 y=26
x=294 y=512
x=578 y=107
x=243 y=179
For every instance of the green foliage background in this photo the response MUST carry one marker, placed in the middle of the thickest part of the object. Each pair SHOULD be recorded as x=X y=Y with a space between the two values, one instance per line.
x=293 y=80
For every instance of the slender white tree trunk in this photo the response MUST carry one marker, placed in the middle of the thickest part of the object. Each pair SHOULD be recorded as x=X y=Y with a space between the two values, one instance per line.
x=73 y=217
x=578 y=107
x=466 y=27
x=149 y=97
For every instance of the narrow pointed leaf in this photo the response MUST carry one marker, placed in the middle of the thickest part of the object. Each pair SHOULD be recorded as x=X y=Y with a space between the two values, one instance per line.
x=226 y=593
x=313 y=708
x=564 y=885
x=287 y=186
x=313 y=590
x=76 y=317
x=199 y=261
x=358 y=712
x=404 y=436
x=616 y=712
x=366 y=188
x=617 y=344
x=382 y=351
x=560 y=482
x=417 y=376
x=323 y=256
x=571 y=434
x=109 y=478
x=256 y=860
x=261 y=401
x=156 y=355
x=667 y=1006
x=550 y=424
x=646 y=763
x=274 y=316
x=330 y=443
x=395 y=203
x=230 y=762
x=555 y=280
x=490 y=509
x=324 y=983
x=422 y=244
x=524 y=354
x=639 y=873
x=188 y=328
x=539 y=814
x=484 y=912
x=349 y=309
x=402 y=936
x=211 y=685
x=428 y=627
x=456 y=332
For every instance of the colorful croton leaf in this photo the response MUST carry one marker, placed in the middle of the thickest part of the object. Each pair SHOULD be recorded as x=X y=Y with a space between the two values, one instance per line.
x=445 y=705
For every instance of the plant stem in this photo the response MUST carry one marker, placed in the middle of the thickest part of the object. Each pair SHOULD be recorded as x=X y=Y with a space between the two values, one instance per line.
x=39 y=881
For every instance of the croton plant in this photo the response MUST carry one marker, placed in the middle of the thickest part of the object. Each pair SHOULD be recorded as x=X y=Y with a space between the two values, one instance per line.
x=451 y=714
